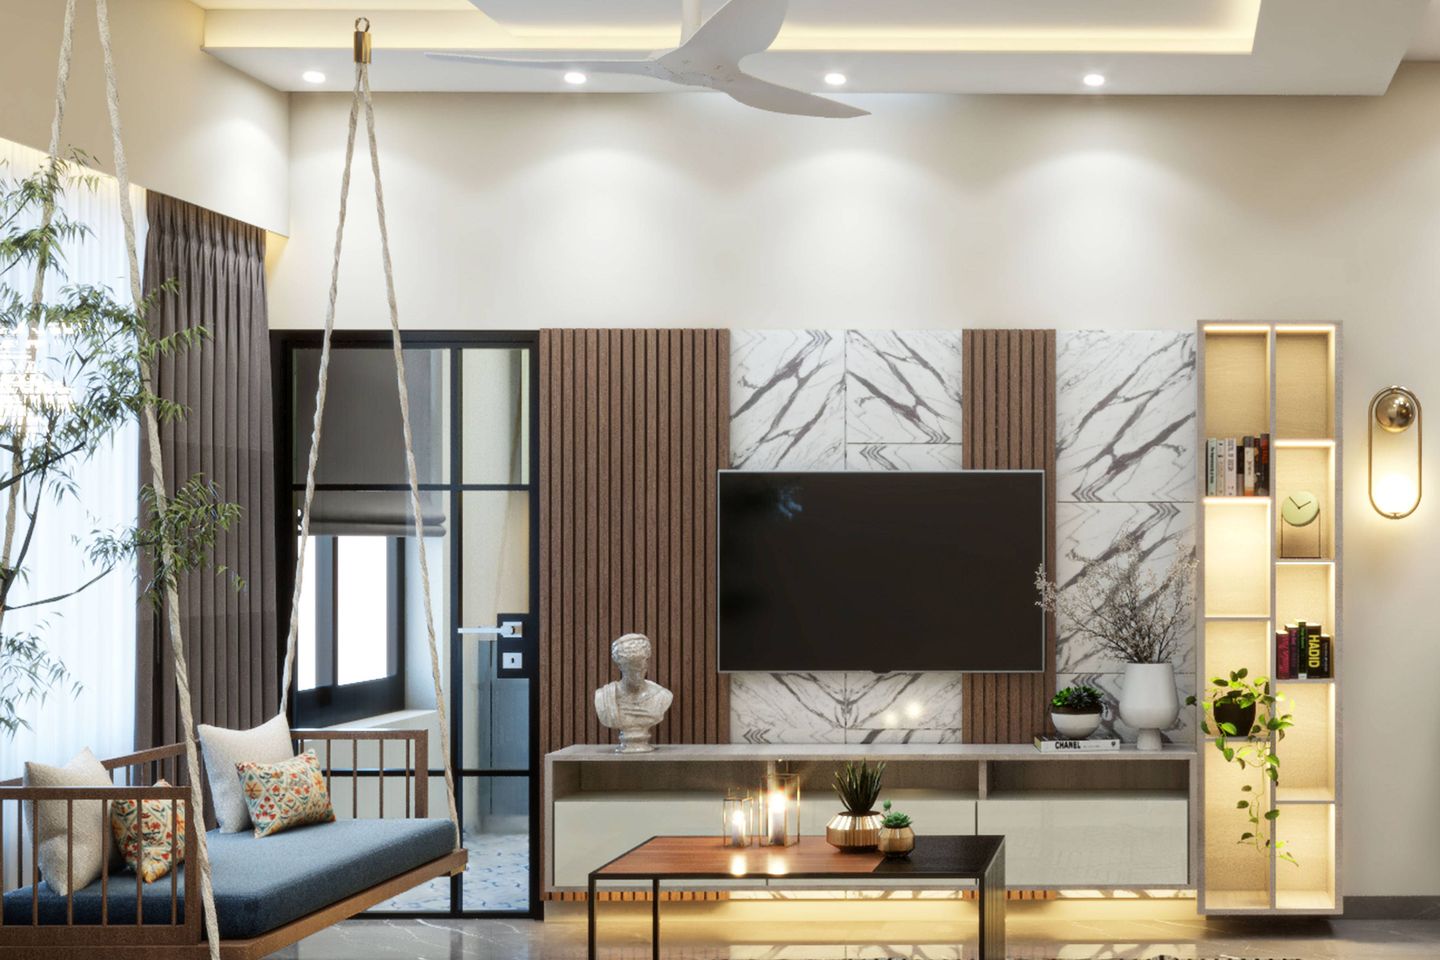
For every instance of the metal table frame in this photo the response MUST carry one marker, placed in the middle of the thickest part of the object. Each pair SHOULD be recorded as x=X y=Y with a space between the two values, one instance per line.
x=989 y=876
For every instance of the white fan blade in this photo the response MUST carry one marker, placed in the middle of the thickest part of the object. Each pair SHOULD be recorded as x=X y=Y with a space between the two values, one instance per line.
x=764 y=95
x=642 y=68
x=738 y=29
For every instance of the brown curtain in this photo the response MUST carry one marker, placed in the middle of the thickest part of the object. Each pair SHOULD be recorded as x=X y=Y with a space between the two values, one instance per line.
x=227 y=435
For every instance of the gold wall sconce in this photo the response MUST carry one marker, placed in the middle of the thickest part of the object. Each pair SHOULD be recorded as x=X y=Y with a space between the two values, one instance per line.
x=1395 y=473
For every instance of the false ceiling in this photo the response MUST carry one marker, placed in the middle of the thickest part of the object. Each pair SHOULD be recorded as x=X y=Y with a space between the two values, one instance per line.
x=1295 y=47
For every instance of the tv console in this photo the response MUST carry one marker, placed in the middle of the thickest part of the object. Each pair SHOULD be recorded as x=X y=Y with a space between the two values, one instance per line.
x=1101 y=820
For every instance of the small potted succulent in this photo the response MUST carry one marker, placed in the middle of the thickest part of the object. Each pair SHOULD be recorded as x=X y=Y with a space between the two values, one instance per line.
x=857 y=828
x=897 y=839
x=1076 y=711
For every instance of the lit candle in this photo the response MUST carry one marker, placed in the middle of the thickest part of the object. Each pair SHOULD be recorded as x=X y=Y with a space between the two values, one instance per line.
x=737 y=829
x=776 y=806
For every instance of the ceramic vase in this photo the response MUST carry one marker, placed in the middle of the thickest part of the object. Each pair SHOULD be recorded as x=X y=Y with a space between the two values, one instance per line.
x=1074 y=724
x=1149 y=702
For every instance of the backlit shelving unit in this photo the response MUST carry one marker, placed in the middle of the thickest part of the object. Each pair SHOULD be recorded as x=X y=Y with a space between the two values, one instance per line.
x=1282 y=379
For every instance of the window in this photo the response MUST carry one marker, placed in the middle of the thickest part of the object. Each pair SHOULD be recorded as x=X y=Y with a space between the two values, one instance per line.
x=350 y=647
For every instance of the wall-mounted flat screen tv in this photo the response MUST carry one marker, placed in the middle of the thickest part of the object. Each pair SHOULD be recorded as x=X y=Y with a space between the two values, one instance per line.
x=881 y=571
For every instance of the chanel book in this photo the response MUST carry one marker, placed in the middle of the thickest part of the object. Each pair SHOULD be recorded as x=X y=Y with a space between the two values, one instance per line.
x=1064 y=745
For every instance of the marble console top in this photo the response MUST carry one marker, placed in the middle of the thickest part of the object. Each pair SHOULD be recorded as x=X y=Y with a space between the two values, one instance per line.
x=739 y=752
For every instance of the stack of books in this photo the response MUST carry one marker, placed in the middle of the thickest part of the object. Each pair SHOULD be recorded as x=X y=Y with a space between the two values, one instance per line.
x=1303 y=651
x=1237 y=466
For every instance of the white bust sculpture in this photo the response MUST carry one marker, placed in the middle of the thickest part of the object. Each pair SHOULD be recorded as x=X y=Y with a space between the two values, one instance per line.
x=632 y=704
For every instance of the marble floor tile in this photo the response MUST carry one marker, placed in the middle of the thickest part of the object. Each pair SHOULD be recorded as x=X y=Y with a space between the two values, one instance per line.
x=1031 y=934
x=1125 y=415
x=903 y=386
x=787 y=400
x=497 y=877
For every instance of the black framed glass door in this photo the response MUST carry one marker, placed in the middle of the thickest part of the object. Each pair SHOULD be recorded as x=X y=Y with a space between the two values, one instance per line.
x=363 y=657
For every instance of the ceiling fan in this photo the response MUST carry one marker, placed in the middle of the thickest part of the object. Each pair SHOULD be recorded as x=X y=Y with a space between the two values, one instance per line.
x=709 y=57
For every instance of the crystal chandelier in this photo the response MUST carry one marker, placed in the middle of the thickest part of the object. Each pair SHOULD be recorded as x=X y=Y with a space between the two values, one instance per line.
x=28 y=395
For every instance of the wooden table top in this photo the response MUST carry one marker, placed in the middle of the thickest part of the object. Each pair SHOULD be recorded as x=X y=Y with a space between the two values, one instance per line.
x=811 y=858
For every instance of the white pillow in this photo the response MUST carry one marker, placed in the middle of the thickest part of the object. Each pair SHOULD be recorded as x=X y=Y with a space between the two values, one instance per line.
x=267 y=743
x=92 y=842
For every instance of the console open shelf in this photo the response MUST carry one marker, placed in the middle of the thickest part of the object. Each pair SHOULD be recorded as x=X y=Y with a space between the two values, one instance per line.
x=1096 y=820
x=1280 y=380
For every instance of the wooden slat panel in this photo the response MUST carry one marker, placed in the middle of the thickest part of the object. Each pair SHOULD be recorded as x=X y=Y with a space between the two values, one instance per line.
x=634 y=425
x=1009 y=423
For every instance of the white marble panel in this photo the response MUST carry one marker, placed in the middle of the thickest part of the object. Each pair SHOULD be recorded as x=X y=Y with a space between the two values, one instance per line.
x=1125 y=415
x=787 y=400
x=787 y=707
x=1181 y=731
x=903 y=386
x=903 y=701
x=1089 y=531
x=903 y=456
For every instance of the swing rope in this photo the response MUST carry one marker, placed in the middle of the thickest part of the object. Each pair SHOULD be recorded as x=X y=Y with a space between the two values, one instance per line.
x=152 y=430
x=360 y=97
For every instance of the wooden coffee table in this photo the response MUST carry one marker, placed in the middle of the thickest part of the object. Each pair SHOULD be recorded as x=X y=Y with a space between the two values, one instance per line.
x=670 y=859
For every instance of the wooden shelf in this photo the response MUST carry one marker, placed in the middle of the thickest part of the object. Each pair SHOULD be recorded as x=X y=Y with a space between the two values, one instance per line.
x=1283 y=380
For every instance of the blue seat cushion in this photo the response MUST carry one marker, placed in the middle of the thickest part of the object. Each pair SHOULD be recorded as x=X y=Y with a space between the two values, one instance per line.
x=263 y=883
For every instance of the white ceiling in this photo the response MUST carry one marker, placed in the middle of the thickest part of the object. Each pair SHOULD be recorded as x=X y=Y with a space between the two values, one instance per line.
x=1294 y=47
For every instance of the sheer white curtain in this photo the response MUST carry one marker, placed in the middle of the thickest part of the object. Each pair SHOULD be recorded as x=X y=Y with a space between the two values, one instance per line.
x=93 y=633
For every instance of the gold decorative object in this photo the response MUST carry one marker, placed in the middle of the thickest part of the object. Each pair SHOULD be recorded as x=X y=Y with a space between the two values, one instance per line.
x=779 y=810
x=854 y=832
x=1395 y=485
x=896 y=842
x=738 y=821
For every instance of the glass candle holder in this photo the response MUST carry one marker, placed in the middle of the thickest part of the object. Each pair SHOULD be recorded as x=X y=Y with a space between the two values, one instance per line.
x=738 y=820
x=779 y=816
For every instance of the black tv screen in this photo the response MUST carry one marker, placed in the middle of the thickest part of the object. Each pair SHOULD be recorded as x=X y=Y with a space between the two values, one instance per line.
x=881 y=571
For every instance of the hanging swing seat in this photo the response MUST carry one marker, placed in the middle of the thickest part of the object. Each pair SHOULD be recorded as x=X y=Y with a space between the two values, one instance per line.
x=270 y=892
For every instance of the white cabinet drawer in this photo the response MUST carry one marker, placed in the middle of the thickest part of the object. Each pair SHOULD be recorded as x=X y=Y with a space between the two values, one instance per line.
x=1085 y=842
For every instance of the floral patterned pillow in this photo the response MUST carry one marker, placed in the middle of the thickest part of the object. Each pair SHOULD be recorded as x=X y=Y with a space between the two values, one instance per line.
x=143 y=831
x=290 y=793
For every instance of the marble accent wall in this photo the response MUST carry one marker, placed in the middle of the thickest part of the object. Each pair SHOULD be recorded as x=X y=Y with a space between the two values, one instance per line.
x=1125 y=461
x=891 y=400
x=845 y=400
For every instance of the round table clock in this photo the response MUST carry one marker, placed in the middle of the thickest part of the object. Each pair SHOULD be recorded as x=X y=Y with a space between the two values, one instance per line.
x=1299 y=529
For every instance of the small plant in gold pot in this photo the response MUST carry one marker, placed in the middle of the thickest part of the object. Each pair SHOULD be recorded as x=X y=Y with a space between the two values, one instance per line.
x=897 y=838
x=857 y=829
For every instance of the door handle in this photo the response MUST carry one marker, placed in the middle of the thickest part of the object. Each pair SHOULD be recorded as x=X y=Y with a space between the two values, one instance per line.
x=508 y=630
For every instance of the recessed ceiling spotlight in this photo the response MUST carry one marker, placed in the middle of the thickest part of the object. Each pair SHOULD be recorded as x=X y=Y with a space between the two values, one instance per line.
x=313 y=76
x=835 y=79
x=575 y=78
x=1094 y=79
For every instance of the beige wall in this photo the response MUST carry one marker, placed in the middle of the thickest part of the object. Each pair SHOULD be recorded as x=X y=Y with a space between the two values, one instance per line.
x=194 y=127
x=516 y=211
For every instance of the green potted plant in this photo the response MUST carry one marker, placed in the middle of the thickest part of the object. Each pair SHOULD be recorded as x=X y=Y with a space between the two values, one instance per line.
x=1244 y=717
x=857 y=827
x=1076 y=711
x=897 y=838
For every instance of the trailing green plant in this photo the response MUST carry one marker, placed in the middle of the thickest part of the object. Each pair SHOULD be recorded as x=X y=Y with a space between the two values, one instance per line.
x=858 y=786
x=1253 y=750
x=894 y=821
x=1082 y=699
x=98 y=351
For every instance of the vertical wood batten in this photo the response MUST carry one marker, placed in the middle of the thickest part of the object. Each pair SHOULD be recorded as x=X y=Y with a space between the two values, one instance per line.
x=1009 y=423
x=634 y=427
